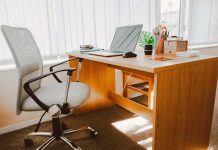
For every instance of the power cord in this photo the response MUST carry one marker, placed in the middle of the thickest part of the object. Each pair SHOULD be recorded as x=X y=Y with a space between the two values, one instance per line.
x=38 y=125
x=127 y=80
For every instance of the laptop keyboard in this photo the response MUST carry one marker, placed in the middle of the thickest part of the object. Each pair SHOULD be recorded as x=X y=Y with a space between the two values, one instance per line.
x=112 y=51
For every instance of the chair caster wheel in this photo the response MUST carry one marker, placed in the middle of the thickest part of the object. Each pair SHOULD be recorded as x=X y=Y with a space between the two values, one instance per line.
x=93 y=133
x=28 y=142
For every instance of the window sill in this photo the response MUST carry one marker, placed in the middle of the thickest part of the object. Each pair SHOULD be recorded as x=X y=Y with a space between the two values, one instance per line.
x=7 y=67
x=202 y=46
x=52 y=62
x=45 y=63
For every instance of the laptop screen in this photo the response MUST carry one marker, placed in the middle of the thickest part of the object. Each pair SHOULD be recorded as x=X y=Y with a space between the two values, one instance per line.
x=126 y=38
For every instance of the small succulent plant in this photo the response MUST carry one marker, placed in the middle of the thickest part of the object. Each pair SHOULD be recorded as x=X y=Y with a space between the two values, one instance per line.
x=146 y=38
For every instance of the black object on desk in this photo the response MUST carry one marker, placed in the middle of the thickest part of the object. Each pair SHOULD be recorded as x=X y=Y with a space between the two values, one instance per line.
x=148 y=52
x=129 y=55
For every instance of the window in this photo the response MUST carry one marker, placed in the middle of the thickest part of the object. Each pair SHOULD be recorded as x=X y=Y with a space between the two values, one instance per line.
x=203 y=19
x=60 y=26
x=195 y=20
x=170 y=15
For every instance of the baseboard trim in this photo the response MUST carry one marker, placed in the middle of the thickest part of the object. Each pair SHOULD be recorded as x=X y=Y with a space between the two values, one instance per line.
x=22 y=125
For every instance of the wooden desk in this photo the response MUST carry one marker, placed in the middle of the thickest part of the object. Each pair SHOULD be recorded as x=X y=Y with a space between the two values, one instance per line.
x=183 y=100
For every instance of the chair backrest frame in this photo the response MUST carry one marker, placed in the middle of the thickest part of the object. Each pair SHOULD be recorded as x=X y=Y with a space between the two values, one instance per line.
x=27 y=58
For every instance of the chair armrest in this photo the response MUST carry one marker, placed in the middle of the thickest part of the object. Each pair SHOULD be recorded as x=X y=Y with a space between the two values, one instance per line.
x=51 y=68
x=31 y=93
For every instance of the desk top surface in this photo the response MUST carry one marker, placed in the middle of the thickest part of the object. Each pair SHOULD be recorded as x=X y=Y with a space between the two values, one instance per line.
x=144 y=63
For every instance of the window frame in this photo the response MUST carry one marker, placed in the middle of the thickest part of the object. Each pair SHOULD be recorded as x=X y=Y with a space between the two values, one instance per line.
x=185 y=6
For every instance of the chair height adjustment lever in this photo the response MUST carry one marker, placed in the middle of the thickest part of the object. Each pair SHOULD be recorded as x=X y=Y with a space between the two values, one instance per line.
x=65 y=108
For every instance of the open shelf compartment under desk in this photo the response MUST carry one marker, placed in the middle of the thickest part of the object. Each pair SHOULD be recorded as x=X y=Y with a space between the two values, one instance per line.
x=141 y=99
x=141 y=87
x=138 y=88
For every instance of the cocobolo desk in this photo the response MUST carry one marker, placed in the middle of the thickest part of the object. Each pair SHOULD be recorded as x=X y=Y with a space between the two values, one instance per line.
x=182 y=99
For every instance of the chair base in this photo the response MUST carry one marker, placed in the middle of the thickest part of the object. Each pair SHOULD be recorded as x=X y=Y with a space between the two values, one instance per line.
x=57 y=134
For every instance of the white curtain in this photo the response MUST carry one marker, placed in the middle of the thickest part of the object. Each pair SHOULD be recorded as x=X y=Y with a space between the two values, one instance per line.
x=60 y=26
x=199 y=21
x=203 y=21
x=195 y=20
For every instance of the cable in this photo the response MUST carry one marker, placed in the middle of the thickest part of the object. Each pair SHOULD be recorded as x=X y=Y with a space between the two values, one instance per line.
x=127 y=80
x=38 y=125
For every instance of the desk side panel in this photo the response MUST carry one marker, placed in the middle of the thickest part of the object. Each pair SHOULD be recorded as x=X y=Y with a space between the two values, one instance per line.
x=100 y=79
x=184 y=107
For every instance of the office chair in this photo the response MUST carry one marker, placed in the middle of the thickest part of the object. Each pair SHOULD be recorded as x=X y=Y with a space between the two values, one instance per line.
x=57 y=99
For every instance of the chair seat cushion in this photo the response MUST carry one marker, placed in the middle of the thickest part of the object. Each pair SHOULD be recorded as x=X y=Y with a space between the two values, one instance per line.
x=55 y=94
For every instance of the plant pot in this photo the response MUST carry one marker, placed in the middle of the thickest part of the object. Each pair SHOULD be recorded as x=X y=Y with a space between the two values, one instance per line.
x=148 y=49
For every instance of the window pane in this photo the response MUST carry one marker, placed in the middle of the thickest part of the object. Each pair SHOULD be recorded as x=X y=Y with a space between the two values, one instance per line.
x=200 y=21
x=170 y=14
x=214 y=22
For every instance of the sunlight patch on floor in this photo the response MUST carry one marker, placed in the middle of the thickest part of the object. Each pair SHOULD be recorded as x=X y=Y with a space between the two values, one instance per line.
x=146 y=142
x=131 y=124
x=145 y=128
x=138 y=129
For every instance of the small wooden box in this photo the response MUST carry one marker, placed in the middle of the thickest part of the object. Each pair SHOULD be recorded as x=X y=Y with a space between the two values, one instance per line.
x=173 y=46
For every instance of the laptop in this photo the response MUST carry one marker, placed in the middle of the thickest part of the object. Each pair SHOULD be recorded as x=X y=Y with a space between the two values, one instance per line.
x=125 y=40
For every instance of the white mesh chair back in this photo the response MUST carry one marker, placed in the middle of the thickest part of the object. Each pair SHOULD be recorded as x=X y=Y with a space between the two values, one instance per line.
x=27 y=57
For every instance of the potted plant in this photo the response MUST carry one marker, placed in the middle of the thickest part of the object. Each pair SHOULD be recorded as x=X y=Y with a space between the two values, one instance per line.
x=146 y=40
